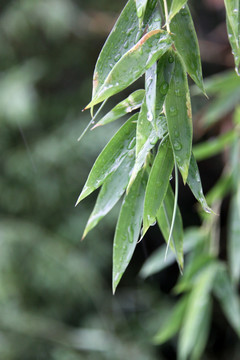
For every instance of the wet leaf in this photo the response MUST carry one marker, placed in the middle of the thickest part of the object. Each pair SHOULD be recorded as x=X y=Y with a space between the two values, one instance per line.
x=157 y=183
x=155 y=263
x=150 y=86
x=111 y=157
x=141 y=8
x=228 y=298
x=179 y=117
x=128 y=227
x=164 y=219
x=175 y=7
x=144 y=127
x=234 y=236
x=197 y=308
x=139 y=58
x=173 y=323
x=132 y=102
x=111 y=191
x=194 y=182
x=186 y=43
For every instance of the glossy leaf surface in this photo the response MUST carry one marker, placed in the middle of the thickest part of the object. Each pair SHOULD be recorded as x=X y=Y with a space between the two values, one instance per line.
x=144 y=127
x=150 y=85
x=234 y=236
x=128 y=228
x=179 y=117
x=228 y=298
x=194 y=182
x=132 y=102
x=175 y=7
x=111 y=191
x=164 y=219
x=157 y=183
x=186 y=43
x=141 y=8
x=139 y=58
x=111 y=157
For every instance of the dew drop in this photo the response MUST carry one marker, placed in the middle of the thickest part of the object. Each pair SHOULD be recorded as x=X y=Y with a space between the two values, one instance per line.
x=140 y=11
x=126 y=44
x=149 y=116
x=164 y=88
x=170 y=59
x=173 y=111
x=178 y=92
x=176 y=133
x=117 y=57
x=177 y=146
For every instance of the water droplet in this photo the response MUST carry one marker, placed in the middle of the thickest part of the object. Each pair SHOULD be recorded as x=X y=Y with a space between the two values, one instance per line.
x=173 y=111
x=140 y=11
x=138 y=36
x=117 y=57
x=164 y=88
x=183 y=11
x=178 y=92
x=207 y=210
x=235 y=11
x=170 y=59
x=176 y=133
x=177 y=146
x=170 y=177
x=126 y=44
x=132 y=144
x=149 y=116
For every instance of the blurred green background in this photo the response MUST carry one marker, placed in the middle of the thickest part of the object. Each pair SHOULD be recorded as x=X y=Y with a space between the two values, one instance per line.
x=55 y=292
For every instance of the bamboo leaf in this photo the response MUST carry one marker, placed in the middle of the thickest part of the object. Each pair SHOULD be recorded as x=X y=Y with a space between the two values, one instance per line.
x=128 y=228
x=186 y=43
x=175 y=7
x=132 y=102
x=179 y=117
x=155 y=263
x=194 y=183
x=234 y=236
x=228 y=298
x=173 y=323
x=111 y=191
x=235 y=44
x=144 y=127
x=197 y=308
x=157 y=183
x=150 y=86
x=111 y=157
x=164 y=218
x=139 y=58
x=141 y=8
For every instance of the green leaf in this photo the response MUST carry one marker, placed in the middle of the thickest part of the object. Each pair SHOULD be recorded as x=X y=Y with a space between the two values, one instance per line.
x=228 y=298
x=132 y=102
x=139 y=58
x=157 y=183
x=210 y=148
x=111 y=157
x=156 y=262
x=141 y=8
x=150 y=86
x=164 y=218
x=194 y=182
x=128 y=227
x=111 y=191
x=179 y=117
x=234 y=236
x=173 y=323
x=175 y=7
x=186 y=43
x=233 y=25
x=197 y=308
x=144 y=127
x=220 y=189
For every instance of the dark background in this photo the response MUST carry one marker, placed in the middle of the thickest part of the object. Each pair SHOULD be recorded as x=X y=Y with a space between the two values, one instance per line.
x=55 y=292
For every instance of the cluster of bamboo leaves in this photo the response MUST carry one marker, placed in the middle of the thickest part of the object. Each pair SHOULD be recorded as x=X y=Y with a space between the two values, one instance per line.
x=158 y=39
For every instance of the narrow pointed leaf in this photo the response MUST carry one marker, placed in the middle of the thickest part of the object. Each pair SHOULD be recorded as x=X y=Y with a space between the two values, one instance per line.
x=235 y=43
x=164 y=74
x=141 y=8
x=175 y=7
x=186 y=43
x=179 y=117
x=157 y=183
x=150 y=85
x=139 y=58
x=111 y=157
x=173 y=323
x=144 y=127
x=111 y=191
x=132 y=102
x=198 y=307
x=156 y=263
x=194 y=182
x=228 y=298
x=128 y=228
x=234 y=237
x=164 y=219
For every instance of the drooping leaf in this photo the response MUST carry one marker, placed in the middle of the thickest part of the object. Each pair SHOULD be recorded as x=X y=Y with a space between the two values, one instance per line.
x=179 y=117
x=186 y=43
x=175 y=7
x=194 y=182
x=164 y=219
x=233 y=25
x=111 y=191
x=111 y=157
x=150 y=86
x=155 y=263
x=141 y=8
x=157 y=183
x=139 y=58
x=128 y=228
x=234 y=237
x=132 y=102
x=228 y=298
x=173 y=323
x=164 y=73
x=144 y=127
x=198 y=307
